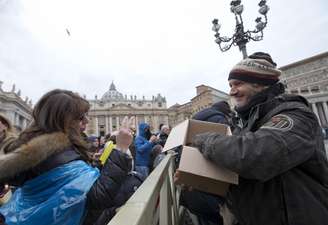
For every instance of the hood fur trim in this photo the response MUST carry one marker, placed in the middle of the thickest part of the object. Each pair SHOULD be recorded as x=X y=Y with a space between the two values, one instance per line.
x=32 y=153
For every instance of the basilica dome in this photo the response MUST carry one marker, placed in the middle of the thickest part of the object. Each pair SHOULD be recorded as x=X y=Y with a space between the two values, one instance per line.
x=112 y=94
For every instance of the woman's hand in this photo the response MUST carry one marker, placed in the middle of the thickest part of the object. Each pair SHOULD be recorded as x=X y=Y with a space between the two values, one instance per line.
x=124 y=137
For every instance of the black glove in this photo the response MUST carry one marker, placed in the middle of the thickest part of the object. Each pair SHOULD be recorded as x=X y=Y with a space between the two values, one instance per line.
x=205 y=142
x=200 y=140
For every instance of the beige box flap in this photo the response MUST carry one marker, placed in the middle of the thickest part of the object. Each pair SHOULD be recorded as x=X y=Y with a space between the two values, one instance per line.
x=192 y=161
x=177 y=136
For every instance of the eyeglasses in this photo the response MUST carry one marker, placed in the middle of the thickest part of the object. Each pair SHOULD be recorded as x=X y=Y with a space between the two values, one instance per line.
x=84 y=116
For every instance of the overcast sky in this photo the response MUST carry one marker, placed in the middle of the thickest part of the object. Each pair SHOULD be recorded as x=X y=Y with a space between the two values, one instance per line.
x=145 y=46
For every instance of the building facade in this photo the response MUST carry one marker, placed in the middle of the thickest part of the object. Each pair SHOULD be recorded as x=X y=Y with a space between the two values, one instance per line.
x=17 y=110
x=106 y=114
x=309 y=78
x=205 y=97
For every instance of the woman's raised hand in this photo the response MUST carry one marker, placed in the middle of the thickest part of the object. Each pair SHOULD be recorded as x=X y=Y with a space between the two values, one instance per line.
x=124 y=137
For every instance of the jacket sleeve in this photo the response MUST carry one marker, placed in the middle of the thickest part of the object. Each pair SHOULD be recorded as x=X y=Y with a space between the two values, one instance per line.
x=267 y=152
x=114 y=172
x=143 y=146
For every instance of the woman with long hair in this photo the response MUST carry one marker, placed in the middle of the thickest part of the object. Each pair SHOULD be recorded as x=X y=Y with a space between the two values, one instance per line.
x=50 y=165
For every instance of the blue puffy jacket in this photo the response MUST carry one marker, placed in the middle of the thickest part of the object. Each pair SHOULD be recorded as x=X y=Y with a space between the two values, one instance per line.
x=143 y=146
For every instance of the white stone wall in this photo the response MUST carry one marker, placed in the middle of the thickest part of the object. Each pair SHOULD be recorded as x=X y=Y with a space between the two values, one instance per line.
x=309 y=78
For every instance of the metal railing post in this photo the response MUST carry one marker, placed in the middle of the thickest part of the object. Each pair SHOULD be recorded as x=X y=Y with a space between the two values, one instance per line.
x=143 y=208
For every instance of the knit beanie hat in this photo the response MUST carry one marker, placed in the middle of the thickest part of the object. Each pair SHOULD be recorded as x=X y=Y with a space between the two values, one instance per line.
x=257 y=68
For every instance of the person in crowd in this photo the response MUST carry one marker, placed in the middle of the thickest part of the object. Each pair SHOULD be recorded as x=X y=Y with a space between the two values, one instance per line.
x=6 y=139
x=159 y=129
x=156 y=157
x=219 y=112
x=204 y=205
x=94 y=143
x=7 y=135
x=109 y=146
x=163 y=135
x=49 y=164
x=156 y=154
x=144 y=143
x=102 y=142
x=278 y=151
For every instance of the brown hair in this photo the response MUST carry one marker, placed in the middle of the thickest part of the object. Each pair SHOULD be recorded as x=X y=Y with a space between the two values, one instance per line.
x=58 y=111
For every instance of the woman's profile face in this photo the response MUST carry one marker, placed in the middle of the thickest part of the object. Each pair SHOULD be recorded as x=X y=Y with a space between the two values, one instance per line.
x=83 y=122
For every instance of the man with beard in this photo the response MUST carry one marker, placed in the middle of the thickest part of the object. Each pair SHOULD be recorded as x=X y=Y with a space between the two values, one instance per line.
x=278 y=150
x=144 y=143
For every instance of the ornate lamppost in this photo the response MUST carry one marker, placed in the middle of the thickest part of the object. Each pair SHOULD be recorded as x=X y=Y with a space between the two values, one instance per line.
x=241 y=37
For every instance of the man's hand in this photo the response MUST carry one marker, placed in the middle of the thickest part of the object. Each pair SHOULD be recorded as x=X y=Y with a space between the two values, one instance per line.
x=176 y=177
x=200 y=140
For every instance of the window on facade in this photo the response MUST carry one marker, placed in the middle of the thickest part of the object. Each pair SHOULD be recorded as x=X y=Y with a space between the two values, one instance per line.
x=294 y=91
x=21 y=121
x=113 y=105
x=304 y=90
x=315 y=89
x=139 y=103
x=159 y=104
x=101 y=120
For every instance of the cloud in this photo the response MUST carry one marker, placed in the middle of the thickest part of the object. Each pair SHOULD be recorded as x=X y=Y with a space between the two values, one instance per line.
x=145 y=47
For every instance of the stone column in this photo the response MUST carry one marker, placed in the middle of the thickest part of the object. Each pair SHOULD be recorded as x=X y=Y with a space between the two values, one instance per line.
x=325 y=110
x=137 y=124
x=315 y=110
x=97 y=126
x=16 y=116
x=117 y=122
x=156 y=122
x=137 y=121
x=167 y=120
x=24 y=123
x=106 y=125
x=110 y=124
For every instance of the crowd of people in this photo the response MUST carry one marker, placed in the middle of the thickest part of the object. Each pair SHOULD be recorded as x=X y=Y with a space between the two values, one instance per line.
x=53 y=173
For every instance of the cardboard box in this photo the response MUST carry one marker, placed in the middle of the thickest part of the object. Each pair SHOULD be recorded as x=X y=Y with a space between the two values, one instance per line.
x=194 y=169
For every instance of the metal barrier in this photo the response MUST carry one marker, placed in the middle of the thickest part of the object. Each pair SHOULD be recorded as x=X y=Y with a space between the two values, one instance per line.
x=154 y=202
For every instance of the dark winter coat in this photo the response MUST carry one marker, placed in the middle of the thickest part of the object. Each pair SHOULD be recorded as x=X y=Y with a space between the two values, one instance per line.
x=162 y=139
x=280 y=157
x=211 y=114
x=48 y=151
x=129 y=186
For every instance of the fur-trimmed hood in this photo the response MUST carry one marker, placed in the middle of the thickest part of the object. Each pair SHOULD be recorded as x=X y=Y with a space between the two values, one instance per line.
x=32 y=153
